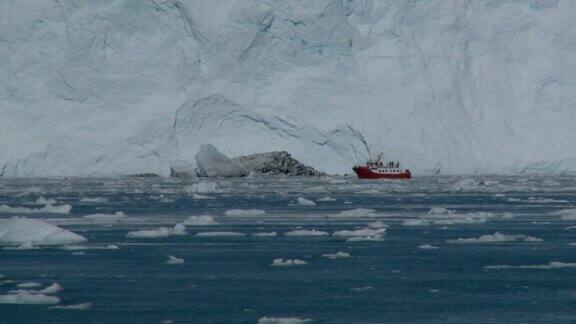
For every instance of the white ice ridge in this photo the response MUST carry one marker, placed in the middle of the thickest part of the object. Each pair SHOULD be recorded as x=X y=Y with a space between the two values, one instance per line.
x=106 y=218
x=247 y=75
x=21 y=230
x=48 y=209
x=304 y=232
x=495 y=238
x=162 y=231
x=283 y=320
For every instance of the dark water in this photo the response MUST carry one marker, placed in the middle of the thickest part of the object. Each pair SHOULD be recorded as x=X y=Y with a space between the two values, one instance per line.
x=230 y=279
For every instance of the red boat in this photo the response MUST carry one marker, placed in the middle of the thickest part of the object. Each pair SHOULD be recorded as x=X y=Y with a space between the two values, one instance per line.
x=377 y=169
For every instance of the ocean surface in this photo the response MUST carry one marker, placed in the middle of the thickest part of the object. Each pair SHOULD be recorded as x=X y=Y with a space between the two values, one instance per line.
x=431 y=250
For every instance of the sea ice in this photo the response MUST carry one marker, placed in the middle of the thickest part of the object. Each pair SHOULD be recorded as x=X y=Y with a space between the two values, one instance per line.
x=495 y=238
x=282 y=320
x=179 y=229
x=219 y=234
x=106 y=218
x=89 y=247
x=21 y=230
x=204 y=220
x=48 y=209
x=93 y=200
x=203 y=187
x=304 y=232
x=337 y=255
x=305 y=202
x=359 y=212
x=326 y=198
x=551 y=265
x=82 y=306
x=175 y=260
x=360 y=232
x=265 y=234
x=565 y=214
x=153 y=233
x=29 y=298
x=29 y=285
x=415 y=222
x=288 y=262
x=377 y=224
x=45 y=201
x=244 y=212
x=427 y=247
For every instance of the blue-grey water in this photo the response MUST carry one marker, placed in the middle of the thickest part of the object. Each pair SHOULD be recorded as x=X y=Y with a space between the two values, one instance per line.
x=231 y=280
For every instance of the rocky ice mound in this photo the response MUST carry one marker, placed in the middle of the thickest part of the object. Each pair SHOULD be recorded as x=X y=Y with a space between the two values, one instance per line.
x=21 y=230
x=276 y=163
x=212 y=163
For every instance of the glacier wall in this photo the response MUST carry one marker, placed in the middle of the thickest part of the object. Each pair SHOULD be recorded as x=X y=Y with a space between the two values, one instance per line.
x=110 y=87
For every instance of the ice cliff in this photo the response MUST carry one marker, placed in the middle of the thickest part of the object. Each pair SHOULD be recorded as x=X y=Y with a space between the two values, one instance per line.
x=112 y=87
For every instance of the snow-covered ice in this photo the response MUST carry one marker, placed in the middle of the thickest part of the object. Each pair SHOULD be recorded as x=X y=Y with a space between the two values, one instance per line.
x=282 y=320
x=21 y=230
x=304 y=232
x=29 y=298
x=305 y=202
x=175 y=260
x=48 y=209
x=495 y=238
x=106 y=218
x=203 y=220
x=219 y=234
x=288 y=262
x=427 y=247
x=337 y=255
x=245 y=212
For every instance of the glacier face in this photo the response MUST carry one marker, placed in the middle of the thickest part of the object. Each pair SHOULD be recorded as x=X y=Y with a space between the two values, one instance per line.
x=97 y=88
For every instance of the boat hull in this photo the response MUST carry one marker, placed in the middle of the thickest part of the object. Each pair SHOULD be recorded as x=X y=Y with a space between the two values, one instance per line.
x=365 y=173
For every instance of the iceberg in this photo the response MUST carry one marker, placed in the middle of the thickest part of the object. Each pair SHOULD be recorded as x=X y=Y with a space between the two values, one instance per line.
x=212 y=163
x=29 y=298
x=22 y=230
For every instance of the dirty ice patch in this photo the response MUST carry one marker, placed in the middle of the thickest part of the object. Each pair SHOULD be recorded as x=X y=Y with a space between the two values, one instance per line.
x=21 y=230
x=219 y=234
x=203 y=220
x=304 y=232
x=106 y=218
x=288 y=262
x=549 y=266
x=244 y=212
x=305 y=202
x=48 y=209
x=283 y=320
x=495 y=238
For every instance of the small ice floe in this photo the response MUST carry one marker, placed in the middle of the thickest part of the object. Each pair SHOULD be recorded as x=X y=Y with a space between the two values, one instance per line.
x=203 y=187
x=219 y=234
x=96 y=200
x=533 y=200
x=304 y=232
x=415 y=222
x=50 y=290
x=427 y=247
x=495 y=238
x=361 y=289
x=551 y=265
x=440 y=211
x=22 y=230
x=265 y=234
x=82 y=306
x=305 y=202
x=24 y=246
x=198 y=196
x=178 y=229
x=358 y=212
x=244 y=212
x=29 y=298
x=48 y=209
x=44 y=201
x=499 y=195
x=376 y=238
x=377 y=224
x=514 y=200
x=106 y=218
x=175 y=260
x=360 y=232
x=283 y=320
x=204 y=220
x=29 y=285
x=565 y=214
x=337 y=255
x=567 y=228
x=288 y=262
x=89 y=247
x=326 y=198
x=508 y=215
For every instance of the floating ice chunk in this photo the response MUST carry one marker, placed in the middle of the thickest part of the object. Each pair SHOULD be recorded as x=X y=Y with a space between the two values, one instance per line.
x=219 y=234
x=93 y=200
x=569 y=227
x=153 y=233
x=50 y=290
x=29 y=285
x=89 y=247
x=337 y=255
x=359 y=212
x=212 y=163
x=495 y=238
x=265 y=234
x=327 y=198
x=288 y=262
x=507 y=215
x=361 y=289
x=25 y=246
x=201 y=197
x=282 y=320
x=415 y=222
x=244 y=212
x=360 y=232
x=175 y=260
x=29 y=298
x=377 y=224
x=44 y=201
x=179 y=229
x=48 y=209
x=82 y=306
x=427 y=247
x=106 y=218
x=305 y=202
x=499 y=195
x=21 y=230
x=439 y=210
x=203 y=187
x=566 y=214
x=204 y=220
x=551 y=265
x=311 y=232
x=375 y=238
